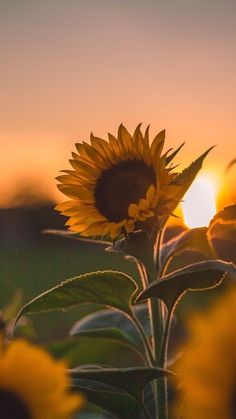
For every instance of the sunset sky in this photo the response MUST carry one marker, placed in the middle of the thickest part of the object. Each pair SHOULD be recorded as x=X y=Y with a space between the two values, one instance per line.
x=69 y=67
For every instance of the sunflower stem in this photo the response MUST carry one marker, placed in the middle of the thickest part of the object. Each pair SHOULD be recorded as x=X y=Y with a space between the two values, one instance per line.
x=157 y=321
x=164 y=345
x=163 y=389
x=145 y=280
x=150 y=270
x=148 y=350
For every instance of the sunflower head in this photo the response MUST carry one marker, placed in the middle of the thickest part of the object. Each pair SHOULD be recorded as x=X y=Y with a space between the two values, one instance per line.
x=120 y=185
x=33 y=385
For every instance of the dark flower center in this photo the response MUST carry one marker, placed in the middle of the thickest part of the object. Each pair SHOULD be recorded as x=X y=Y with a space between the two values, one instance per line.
x=121 y=185
x=12 y=406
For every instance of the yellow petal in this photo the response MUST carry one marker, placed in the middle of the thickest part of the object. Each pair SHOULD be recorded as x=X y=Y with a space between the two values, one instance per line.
x=150 y=193
x=143 y=205
x=133 y=210
x=158 y=141
x=138 y=142
x=126 y=139
x=115 y=229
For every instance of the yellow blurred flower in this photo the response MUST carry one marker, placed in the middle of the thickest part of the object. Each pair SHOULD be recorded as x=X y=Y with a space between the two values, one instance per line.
x=207 y=369
x=118 y=185
x=33 y=385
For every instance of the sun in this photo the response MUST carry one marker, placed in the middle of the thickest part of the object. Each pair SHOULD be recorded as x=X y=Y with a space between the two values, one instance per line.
x=199 y=202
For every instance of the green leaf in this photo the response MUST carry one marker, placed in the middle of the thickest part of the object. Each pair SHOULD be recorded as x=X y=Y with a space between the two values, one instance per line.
x=191 y=240
x=107 y=318
x=198 y=276
x=83 y=350
x=185 y=178
x=107 y=333
x=132 y=380
x=106 y=288
x=120 y=404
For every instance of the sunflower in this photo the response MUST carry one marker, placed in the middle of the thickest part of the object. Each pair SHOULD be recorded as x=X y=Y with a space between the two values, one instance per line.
x=119 y=185
x=33 y=385
x=207 y=369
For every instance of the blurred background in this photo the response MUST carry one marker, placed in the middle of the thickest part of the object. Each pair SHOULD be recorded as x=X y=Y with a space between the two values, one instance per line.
x=69 y=68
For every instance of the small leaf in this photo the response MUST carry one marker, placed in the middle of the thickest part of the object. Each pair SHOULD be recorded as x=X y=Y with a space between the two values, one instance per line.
x=191 y=240
x=106 y=288
x=83 y=350
x=107 y=318
x=198 y=276
x=185 y=178
x=120 y=404
x=133 y=380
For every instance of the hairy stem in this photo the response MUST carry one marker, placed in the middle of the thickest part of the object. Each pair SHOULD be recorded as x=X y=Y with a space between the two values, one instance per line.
x=144 y=278
x=158 y=336
x=164 y=345
x=148 y=350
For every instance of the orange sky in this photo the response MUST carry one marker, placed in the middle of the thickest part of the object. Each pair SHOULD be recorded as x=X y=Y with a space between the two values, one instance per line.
x=69 y=67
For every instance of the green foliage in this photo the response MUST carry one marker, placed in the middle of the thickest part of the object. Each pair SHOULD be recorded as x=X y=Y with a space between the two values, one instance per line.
x=198 y=276
x=95 y=349
x=191 y=240
x=117 y=355
x=106 y=288
x=116 y=402
x=132 y=380
x=105 y=332
x=102 y=320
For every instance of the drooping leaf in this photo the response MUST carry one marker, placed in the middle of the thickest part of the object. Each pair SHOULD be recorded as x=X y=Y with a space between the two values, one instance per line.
x=191 y=240
x=118 y=403
x=185 y=178
x=106 y=288
x=107 y=318
x=83 y=350
x=198 y=276
x=133 y=380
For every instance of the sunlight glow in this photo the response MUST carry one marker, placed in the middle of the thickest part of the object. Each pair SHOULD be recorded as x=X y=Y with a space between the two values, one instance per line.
x=199 y=203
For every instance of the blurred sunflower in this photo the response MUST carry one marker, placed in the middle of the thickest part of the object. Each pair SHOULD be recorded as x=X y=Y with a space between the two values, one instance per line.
x=207 y=369
x=33 y=385
x=119 y=185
